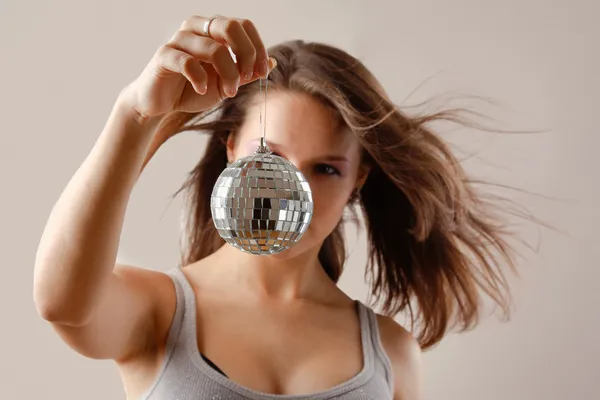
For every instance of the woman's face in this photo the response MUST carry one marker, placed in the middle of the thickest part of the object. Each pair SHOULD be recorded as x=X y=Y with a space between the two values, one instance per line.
x=302 y=130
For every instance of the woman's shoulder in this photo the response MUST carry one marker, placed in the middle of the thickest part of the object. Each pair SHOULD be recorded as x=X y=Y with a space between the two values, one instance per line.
x=396 y=340
x=139 y=371
x=160 y=288
x=404 y=353
x=156 y=283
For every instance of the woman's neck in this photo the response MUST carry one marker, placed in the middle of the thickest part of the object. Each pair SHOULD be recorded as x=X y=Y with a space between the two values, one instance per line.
x=281 y=277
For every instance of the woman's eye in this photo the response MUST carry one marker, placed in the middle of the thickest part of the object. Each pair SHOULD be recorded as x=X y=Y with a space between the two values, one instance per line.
x=321 y=168
x=327 y=169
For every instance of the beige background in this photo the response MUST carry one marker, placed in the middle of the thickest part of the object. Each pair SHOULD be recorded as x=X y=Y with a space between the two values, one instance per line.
x=63 y=63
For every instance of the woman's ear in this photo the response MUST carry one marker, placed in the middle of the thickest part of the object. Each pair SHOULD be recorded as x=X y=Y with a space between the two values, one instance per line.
x=230 y=147
x=363 y=174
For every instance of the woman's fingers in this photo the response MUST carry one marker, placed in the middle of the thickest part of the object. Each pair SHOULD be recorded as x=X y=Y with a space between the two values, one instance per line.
x=232 y=32
x=238 y=33
x=189 y=48
x=196 y=70
x=172 y=60
x=262 y=58
x=210 y=51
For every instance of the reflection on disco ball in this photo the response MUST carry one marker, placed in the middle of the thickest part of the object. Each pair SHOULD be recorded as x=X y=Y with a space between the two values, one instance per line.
x=261 y=204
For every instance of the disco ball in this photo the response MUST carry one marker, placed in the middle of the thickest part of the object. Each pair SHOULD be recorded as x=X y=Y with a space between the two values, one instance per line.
x=261 y=204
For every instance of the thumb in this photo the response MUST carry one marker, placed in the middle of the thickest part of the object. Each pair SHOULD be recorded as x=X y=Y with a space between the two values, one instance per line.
x=272 y=63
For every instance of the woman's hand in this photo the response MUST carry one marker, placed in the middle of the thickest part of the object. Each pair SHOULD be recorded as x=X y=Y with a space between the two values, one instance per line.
x=194 y=72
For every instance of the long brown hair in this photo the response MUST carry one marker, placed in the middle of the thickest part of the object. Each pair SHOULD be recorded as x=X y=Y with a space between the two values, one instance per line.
x=434 y=243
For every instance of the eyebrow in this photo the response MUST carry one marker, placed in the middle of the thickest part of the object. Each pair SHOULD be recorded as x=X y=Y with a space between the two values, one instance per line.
x=328 y=157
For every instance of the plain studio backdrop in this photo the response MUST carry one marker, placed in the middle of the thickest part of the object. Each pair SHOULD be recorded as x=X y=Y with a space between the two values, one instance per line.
x=64 y=62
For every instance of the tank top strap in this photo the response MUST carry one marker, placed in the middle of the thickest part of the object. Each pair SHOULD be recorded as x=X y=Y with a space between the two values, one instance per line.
x=365 y=335
x=376 y=346
x=186 y=309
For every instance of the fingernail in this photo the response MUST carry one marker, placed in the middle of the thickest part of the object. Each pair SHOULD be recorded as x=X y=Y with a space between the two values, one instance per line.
x=248 y=73
x=263 y=68
x=231 y=91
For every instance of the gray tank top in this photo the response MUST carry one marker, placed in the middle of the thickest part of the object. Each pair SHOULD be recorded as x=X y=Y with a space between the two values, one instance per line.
x=186 y=375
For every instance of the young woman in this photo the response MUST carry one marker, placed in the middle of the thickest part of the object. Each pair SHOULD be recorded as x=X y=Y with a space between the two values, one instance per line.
x=230 y=325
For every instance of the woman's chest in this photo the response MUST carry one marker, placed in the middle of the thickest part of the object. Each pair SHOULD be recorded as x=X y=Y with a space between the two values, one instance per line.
x=293 y=350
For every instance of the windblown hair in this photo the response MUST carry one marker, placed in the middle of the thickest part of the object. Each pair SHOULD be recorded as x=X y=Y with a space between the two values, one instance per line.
x=435 y=245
